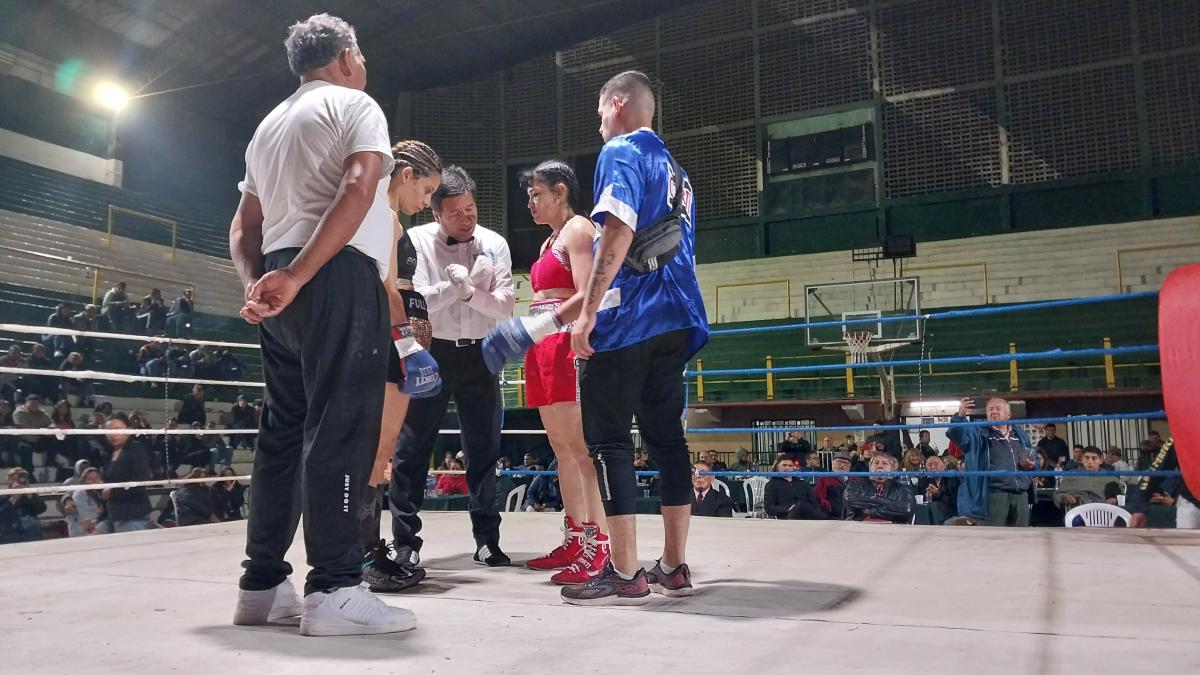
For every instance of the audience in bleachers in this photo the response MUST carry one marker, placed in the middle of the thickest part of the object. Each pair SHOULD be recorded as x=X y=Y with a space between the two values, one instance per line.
x=87 y=320
x=941 y=494
x=1075 y=490
x=84 y=509
x=128 y=508
x=790 y=498
x=179 y=318
x=452 y=484
x=707 y=501
x=879 y=498
x=19 y=513
x=231 y=496
x=242 y=416
x=831 y=490
x=153 y=313
x=59 y=344
x=191 y=408
x=116 y=309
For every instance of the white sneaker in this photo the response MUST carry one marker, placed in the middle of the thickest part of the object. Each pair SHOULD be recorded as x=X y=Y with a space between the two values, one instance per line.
x=254 y=608
x=352 y=610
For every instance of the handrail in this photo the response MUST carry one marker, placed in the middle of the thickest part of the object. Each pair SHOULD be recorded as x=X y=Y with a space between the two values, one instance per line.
x=113 y=208
x=94 y=266
x=945 y=266
x=787 y=283
x=1139 y=249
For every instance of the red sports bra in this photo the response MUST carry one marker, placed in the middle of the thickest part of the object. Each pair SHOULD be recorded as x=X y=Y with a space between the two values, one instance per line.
x=552 y=270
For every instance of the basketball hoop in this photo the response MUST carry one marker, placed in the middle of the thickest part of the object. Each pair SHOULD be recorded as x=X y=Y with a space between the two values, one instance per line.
x=857 y=343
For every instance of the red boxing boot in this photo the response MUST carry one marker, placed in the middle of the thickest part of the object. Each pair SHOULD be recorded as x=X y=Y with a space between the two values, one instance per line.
x=592 y=559
x=566 y=553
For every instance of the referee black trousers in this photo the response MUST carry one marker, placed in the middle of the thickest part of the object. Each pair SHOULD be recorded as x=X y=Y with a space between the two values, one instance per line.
x=324 y=361
x=476 y=394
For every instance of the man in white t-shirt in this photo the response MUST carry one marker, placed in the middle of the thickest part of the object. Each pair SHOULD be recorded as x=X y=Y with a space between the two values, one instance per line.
x=311 y=239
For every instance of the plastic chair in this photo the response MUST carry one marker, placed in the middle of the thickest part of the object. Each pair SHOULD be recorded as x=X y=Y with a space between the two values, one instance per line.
x=722 y=486
x=756 y=489
x=1097 y=515
x=515 y=496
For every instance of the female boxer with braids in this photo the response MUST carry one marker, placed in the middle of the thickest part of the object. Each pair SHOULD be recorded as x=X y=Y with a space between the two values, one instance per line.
x=417 y=175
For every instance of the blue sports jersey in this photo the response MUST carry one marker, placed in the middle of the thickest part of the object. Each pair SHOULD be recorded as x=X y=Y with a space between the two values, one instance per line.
x=635 y=183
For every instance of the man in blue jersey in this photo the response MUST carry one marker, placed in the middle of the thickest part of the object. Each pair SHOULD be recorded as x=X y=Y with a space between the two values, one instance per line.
x=642 y=319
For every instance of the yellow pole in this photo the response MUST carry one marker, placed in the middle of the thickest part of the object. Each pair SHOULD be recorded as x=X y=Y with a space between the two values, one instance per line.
x=520 y=386
x=699 y=380
x=95 y=284
x=1110 y=375
x=849 y=378
x=770 y=380
x=1012 y=368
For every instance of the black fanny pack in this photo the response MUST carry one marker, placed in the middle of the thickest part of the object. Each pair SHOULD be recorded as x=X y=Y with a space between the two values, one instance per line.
x=654 y=246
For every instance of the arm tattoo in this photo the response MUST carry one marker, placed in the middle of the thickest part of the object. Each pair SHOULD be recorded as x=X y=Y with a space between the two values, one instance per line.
x=600 y=280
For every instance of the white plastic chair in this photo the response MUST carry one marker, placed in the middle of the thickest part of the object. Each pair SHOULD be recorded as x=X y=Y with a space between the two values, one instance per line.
x=1097 y=515
x=756 y=489
x=722 y=486
x=515 y=496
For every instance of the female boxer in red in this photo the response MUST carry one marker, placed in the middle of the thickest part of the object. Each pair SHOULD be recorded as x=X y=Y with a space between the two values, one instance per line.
x=559 y=273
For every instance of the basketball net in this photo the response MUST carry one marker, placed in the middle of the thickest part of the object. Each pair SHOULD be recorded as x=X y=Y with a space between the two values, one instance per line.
x=858 y=342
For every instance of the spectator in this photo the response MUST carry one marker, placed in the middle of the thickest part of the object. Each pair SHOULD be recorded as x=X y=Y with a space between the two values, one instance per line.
x=13 y=358
x=1156 y=439
x=1075 y=490
x=812 y=462
x=67 y=446
x=81 y=386
x=1075 y=463
x=879 y=498
x=152 y=359
x=9 y=456
x=794 y=444
x=861 y=459
x=831 y=490
x=1116 y=460
x=888 y=440
x=128 y=508
x=923 y=445
x=32 y=416
x=456 y=484
x=1164 y=491
x=952 y=463
x=913 y=461
x=195 y=503
x=789 y=498
x=92 y=448
x=231 y=496
x=1054 y=446
x=1001 y=447
x=179 y=319
x=191 y=409
x=60 y=344
x=42 y=385
x=153 y=311
x=504 y=484
x=192 y=451
x=827 y=444
x=543 y=493
x=19 y=513
x=849 y=444
x=641 y=462
x=448 y=461
x=941 y=493
x=220 y=452
x=705 y=500
x=204 y=364
x=117 y=309
x=87 y=517
x=241 y=416
x=87 y=320
x=715 y=462
x=229 y=367
x=743 y=462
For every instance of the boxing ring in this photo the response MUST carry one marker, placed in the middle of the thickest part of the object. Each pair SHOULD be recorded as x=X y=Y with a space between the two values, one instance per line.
x=772 y=596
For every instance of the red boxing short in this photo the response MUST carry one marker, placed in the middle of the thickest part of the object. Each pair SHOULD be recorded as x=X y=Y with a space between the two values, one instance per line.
x=550 y=372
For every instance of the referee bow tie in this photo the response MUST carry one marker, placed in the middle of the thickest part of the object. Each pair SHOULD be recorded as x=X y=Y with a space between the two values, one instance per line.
x=451 y=241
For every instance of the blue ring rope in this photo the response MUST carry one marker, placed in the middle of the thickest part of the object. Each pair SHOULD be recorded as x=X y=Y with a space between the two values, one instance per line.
x=1152 y=414
x=948 y=314
x=981 y=358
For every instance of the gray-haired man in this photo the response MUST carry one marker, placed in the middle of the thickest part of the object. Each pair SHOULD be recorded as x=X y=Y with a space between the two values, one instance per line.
x=311 y=240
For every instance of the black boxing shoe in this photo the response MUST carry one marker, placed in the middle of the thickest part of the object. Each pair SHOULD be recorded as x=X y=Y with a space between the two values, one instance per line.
x=391 y=569
x=492 y=556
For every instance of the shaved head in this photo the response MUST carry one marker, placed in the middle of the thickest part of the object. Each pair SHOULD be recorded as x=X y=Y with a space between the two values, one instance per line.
x=634 y=88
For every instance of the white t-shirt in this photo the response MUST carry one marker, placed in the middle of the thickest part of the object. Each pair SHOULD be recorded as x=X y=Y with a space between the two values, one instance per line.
x=294 y=166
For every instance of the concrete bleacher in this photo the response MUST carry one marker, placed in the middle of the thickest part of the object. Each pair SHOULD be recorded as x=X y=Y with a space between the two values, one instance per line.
x=53 y=195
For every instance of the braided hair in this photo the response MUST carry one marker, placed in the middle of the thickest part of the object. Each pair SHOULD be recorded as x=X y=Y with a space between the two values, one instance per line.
x=417 y=155
x=553 y=172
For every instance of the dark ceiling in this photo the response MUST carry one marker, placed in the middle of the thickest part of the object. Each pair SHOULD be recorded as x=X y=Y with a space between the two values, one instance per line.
x=224 y=58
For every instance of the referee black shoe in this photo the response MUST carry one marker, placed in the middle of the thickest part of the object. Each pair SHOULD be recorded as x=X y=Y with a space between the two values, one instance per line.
x=492 y=556
x=390 y=569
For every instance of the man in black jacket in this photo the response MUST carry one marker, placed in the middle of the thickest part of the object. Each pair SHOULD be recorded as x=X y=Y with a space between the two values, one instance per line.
x=880 y=498
x=191 y=409
x=794 y=444
x=705 y=500
x=789 y=498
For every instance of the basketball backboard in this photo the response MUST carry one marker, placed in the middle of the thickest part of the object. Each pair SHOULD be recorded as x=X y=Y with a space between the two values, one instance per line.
x=858 y=302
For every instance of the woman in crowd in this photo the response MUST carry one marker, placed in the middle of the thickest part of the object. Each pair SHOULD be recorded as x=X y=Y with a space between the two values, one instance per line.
x=61 y=418
x=940 y=493
x=558 y=278
x=87 y=516
x=231 y=496
x=415 y=177
x=452 y=483
x=129 y=460
x=195 y=503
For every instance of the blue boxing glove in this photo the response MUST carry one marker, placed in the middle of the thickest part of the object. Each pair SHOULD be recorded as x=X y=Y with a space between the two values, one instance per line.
x=510 y=340
x=420 y=371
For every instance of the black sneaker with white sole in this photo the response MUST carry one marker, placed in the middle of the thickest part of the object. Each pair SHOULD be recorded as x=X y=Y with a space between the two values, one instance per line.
x=492 y=556
x=388 y=569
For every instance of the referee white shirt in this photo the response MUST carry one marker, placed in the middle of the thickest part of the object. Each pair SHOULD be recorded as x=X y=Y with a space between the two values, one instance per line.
x=455 y=319
x=294 y=165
